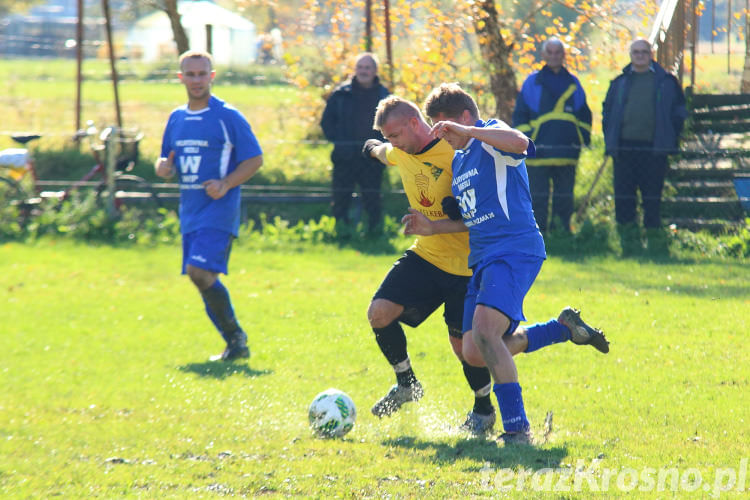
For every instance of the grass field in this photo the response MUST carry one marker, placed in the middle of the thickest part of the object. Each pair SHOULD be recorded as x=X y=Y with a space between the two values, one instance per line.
x=39 y=96
x=107 y=392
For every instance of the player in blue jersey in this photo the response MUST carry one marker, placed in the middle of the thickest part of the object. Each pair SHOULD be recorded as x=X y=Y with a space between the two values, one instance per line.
x=491 y=187
x=210 y=147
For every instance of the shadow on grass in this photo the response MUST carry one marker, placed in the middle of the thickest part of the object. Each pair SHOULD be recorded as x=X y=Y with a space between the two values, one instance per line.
x=484 y=451
x=220 y=370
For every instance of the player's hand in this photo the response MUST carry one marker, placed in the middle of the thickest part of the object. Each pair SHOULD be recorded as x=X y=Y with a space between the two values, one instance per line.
x=164 y=167
x=415 y=222
x=451 y=208
x=370 y=144
x=441 y=129
x=215 y=188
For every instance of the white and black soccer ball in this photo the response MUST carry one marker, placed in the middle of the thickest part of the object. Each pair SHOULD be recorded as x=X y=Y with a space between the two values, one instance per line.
x=332 y=414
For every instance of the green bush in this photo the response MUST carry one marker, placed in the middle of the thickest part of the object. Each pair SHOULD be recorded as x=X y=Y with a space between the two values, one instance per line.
x=83 y=217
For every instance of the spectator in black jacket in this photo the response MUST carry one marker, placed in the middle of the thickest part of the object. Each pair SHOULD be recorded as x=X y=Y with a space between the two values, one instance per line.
x=348 y=122
x=642 y=118
x=551 y=110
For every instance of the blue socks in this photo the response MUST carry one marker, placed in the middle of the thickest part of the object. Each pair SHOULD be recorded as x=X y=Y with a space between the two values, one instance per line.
x=213 y=318
x=219 y=309
x=509 y=395
x=510 y=402
x=544 y=334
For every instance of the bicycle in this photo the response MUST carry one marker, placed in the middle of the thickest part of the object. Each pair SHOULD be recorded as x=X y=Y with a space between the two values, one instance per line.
x=17 y=172
x=17 y=165
x=127 y=187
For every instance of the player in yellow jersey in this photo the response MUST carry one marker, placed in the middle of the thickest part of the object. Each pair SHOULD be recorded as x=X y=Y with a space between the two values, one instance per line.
x=433 y=271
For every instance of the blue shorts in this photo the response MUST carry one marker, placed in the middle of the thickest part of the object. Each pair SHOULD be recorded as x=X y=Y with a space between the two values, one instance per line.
x=502 y=284
x=206 y=249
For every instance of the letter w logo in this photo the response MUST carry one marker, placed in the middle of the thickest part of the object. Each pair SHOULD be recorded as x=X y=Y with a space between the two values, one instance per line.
x=468 y=200
x=190 y=164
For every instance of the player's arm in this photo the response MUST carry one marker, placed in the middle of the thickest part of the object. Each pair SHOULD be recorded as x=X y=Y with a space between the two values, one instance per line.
x=216 y=188
x=503 y=137
x=374 y=148
x=508 y=139
x=164 y=167
x=415 y=222
x=379 y=153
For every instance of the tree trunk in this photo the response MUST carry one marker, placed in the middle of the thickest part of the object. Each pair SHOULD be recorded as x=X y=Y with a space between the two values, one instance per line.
x=178 y=32
x=745 y=85
x=496 y=54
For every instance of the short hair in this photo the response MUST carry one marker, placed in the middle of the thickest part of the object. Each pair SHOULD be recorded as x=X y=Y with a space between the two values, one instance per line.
x=394 y=107
x=371 y=55
x=197 y=54
x=642 y=40
x=450 y=100
x=553 y=40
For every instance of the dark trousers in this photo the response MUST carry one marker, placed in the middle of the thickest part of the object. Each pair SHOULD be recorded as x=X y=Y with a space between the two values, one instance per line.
x=638 y=167
x=563 y=179
x=369 y=176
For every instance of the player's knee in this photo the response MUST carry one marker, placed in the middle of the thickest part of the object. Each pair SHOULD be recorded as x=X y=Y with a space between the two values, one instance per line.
x=474 y=359
x=471 y=353
x=456 y=343
x=381 y=313
x=480 y=336
x=201 y=278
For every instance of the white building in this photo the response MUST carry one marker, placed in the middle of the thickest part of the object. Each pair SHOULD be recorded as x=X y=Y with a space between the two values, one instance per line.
x=233 y=38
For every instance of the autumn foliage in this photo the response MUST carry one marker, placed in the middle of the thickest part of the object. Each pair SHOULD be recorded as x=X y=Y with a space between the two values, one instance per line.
x=435 y=41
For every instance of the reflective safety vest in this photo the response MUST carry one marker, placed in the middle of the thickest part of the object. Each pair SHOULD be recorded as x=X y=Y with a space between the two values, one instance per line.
x=559 y=127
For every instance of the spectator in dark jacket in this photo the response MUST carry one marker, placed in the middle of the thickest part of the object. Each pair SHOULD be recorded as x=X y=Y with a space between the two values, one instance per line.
x=348 y=122
x=551 y=110
x=642 y=118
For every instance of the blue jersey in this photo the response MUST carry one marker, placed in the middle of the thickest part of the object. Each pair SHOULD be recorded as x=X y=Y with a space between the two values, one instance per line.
x=492 y=188
x=208 y=144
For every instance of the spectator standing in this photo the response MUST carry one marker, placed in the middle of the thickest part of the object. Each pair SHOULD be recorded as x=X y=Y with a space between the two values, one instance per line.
x=551 y=110
x=642 y=118
x=347 y=122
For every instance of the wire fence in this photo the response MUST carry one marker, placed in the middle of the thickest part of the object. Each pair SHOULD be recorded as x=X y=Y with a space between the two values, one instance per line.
x=705 y=185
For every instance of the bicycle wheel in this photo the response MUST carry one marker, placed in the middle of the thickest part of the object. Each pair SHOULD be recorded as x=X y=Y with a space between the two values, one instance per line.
x=131 y=190
x=14 y=197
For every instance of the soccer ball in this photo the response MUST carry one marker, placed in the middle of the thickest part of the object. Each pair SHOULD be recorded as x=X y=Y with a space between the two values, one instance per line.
x=332 y=414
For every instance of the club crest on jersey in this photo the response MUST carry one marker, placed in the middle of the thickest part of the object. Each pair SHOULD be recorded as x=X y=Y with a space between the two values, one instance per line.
x=435 y=171
x=423 y=184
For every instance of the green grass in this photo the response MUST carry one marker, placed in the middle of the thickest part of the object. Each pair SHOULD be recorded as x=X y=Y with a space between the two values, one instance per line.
x=106 y=391
x=40 y=95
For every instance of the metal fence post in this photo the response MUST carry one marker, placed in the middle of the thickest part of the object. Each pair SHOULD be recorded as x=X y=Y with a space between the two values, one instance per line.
x=110 y=166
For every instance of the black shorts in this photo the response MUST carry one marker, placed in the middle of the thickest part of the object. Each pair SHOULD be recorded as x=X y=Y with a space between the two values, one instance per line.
x=421 y=287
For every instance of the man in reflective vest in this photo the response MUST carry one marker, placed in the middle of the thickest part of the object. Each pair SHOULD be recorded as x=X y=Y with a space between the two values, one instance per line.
x=551 y=110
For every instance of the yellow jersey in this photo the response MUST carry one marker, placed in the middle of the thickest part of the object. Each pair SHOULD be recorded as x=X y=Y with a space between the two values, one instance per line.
x=427 y=178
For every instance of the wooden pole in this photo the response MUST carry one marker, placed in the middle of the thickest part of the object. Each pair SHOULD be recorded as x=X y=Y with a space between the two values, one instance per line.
x=713 y=24
x=210 y=38
x=729 y=36
x=108 y=25
x=79 y=63
x=695 y=28
x=389 y=52
x=745 y=83
x=368 y=26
